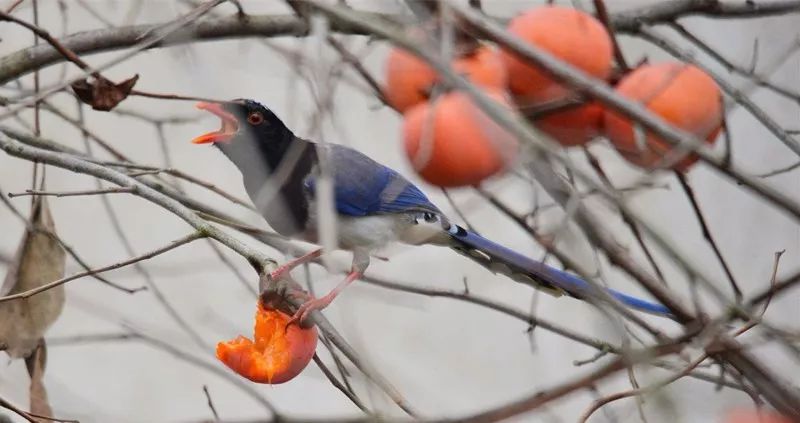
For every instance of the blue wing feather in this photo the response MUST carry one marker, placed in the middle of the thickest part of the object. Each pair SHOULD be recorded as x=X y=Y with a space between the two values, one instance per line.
x=365 y=187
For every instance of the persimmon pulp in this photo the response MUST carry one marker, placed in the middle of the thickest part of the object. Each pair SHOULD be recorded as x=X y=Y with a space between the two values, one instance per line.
x=276 y=354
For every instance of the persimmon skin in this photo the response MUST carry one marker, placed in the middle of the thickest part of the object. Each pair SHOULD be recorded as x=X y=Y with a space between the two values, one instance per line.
x=576 y=38
x=451 y=143
x=409 y=80
x=681 y=94
x=277 y=354
x=568 y=34
x=574 y=126
x=745 y=415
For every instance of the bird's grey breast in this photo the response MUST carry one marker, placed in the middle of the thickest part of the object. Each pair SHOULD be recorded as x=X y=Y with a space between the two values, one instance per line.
x=275 y=188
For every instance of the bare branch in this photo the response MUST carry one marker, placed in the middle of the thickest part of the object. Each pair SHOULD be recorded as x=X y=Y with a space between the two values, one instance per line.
x=747 y=73
x=97 y=41
x=175 y=244
x=707 y=233
x=642 y=391
x=31 y=192
x=33 y=418
x=210 y=403
x=671 y=10
x=532 y=402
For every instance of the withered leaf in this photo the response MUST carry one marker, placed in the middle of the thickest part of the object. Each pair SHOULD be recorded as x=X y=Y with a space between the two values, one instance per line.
x=39 y=260
x=103 y=94
x=36 y=364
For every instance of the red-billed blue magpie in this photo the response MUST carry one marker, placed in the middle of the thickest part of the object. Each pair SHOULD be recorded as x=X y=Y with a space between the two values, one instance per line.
x=374 y=204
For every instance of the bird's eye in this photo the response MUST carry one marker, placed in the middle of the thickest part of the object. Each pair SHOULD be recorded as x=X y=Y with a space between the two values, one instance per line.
x=255 y=118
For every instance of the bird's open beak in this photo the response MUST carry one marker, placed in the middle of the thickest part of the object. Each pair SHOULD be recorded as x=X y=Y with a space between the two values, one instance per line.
x=229 y=128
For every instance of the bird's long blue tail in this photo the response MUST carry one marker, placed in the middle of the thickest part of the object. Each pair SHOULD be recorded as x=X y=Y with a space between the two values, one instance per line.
x=497 y=258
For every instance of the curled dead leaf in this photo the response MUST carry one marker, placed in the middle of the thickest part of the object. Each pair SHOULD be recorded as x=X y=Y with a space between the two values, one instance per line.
x=39 y=260
x=103 y=94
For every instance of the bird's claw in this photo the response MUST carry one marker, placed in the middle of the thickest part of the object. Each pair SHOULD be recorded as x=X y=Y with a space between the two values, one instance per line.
x=280 y=294
x=303 y=312
x=278 y=273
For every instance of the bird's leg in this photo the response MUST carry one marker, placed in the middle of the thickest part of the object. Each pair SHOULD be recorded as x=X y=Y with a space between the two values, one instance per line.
x=286 y=268
x=360 y=263
x=305 y=310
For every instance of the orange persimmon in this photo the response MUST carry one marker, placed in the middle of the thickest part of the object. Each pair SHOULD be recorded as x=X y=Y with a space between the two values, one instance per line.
x=573 y=126
x=409 y=80
x=744 y=415
x=277 y=354
x=681 y=94
x=568 y=34
x=451 y=142
x=576 y=38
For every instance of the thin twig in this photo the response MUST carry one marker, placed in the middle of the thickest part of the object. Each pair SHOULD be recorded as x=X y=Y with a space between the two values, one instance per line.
x=687 y=188
x=496 y=306
x=210 y=367
x=163 y=96
x=595 y=164
x=67 y=247
x=335 y=382
x=772 y=281
x=13 y=5
x=638 y=392
x=602 y=15
x=210 y=403
x=29 y=192
x=730 y=66
x=65 y=52
x=780 y=170
x=174 y=244
x=537 y=400
x=30 y=416
x=151 y=38
x=85 y=339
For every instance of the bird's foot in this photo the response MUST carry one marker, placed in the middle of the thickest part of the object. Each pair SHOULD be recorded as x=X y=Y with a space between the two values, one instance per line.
x=300 y=317
x=279 y=294
x=284 y=269
x=280 y=272
x=304 y=311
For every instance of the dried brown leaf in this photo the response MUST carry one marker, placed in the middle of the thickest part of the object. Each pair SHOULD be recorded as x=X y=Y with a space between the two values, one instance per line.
x=39 y=260
x=36 y=364
x=103 y=94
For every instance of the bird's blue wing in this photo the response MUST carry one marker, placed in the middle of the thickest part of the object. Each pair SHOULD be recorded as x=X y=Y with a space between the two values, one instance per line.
x=365 y=187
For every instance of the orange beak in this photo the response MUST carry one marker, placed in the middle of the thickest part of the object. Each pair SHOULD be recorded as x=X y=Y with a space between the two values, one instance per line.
x=229 y=128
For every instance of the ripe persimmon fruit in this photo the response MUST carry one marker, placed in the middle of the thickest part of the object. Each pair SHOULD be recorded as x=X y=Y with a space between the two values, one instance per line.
x=681 y=94
x=451 y=142
x=276 y=354
x=574 y=37
x=745 y=415
x=574 y=125
x=409 y=80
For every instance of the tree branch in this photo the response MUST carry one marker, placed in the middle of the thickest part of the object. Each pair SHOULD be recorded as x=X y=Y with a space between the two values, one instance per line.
x=25 y=61
x=174 y=244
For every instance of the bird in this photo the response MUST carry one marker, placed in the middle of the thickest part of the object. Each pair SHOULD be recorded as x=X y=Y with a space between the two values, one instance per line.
x=374 y=205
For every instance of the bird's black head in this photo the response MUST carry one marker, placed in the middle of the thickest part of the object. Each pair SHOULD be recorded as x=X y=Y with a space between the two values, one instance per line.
x=242 y=118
